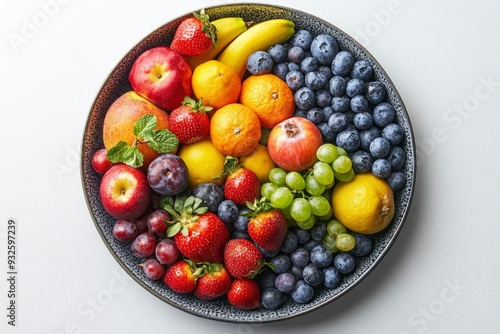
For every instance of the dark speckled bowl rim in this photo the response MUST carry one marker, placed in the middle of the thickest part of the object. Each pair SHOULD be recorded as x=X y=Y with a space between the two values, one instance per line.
x=220 y=310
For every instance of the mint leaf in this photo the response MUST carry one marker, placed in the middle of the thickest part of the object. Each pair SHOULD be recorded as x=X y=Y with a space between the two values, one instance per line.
x=144 y=124
x=115 y=154
x=163 y=141
x=126 y=154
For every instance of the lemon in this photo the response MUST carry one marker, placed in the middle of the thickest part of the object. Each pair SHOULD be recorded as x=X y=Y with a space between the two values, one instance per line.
x=365 y=204
x=204 y=161
x=259 y=161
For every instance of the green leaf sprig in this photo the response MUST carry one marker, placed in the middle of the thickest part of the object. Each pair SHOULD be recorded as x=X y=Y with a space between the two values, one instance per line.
x=162 y=141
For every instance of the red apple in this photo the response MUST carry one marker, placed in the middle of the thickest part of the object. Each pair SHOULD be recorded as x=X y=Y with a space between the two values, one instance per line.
x=125 y=192
x=162 y=76
x=100 y=162
x=292 y=144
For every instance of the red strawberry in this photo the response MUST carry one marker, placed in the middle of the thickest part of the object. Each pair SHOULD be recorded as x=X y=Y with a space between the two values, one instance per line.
x=242 y=185
x=214 y=283
x=244 y=294
x=267 y=226
x=189 y=122
x=242 y=258
x=181 y=277
x=199 y=235
x=195 y=35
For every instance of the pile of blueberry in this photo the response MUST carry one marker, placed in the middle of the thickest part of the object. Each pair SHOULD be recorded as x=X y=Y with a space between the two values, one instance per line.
x=340 y=95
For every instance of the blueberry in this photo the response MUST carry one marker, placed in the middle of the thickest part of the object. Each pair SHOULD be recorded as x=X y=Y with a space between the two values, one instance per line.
x=266 y=279
x=297 y=272
x=348 y=139
x=361 y=69
x=315 y=115
x=344 y=263
x=302 y=293
x=311 y=244
x=315 y=80
x=383 y=114
x=281 y=263
x=396 y=158
x=337 y=85
x=327 y=133
x=296 y=54
x=294 y=80
x=359 y=103
x=375 y=92
x=210 y=194
x=293 y=66
x=278 y=52
x=271 y=299
x=381 y=168
x=309 y=64
x=313 y=275
x=340 y=103
x=326 y=71
x=380 y=147
x=328 y=112
x=354 y=87
x=396 y=180
x=259 y=62
x=338 y=122
x=350 y=116
x=241 y=222
x=321 y=256
x=363 y=120
x=363 y=245
x=332 y=277
x=318 y=231
x=290 y=243
x=228 y=211
x=285 y=282
x=304 y=98
x=361 y=161
x=324 y=48
x=342 y=63
x=300 y=113
x=240 y=235
x=300 y=257
x=323 y=98
x=303 y=235
x=367 y=136
x=267 y=254
x=281 y=70
x=302 y=38
x=393 y=133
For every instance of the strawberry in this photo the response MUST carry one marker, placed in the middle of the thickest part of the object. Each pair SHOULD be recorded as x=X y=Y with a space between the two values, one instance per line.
x=190 y=122
x=195 y=35
x=242 y=185
x=215 y=282
x=181 y=276
x=244 y=294
x=267 y=226
x=199 y=235
x=242 y=258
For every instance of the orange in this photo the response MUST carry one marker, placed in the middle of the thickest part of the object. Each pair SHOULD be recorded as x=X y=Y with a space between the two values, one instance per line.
x=259 y=161
x=235 y=129
x=365 y=204
x=270 y=98
x=216 y=83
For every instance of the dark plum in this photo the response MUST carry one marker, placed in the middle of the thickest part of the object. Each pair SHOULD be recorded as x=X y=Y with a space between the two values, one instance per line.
x=168 y=174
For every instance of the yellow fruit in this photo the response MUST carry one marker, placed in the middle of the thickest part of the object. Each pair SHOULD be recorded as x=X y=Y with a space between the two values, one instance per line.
x=364 y=205
x=259 y=161
x=204 y=161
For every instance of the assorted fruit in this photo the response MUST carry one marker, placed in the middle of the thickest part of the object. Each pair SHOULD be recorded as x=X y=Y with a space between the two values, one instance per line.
x=250 y=161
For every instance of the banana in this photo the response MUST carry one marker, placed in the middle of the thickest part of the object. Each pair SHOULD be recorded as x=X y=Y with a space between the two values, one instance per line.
x=259 y=37
x=228 y=28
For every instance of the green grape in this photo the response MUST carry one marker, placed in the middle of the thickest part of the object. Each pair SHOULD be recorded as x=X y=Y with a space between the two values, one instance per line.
x=329 y=242
x=307 y=224
x=335 y=228
x=319 y=205
x=295 y=181
x=313 y=187
x=267 y=189
x=300 y=209
x=281 y=197
x=345 y=177
x=277 y=176
x=341 y=151
x=326 y=217
x=345 y=242
x=342 y=164
x=286 y=213
x=330 y=185
x=327 y=153
x=323 y=173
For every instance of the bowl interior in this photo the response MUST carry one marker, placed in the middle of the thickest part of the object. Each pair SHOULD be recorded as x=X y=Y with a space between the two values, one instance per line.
x=117 y=83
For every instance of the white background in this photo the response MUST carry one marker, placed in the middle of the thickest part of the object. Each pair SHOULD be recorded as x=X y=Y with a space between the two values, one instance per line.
x=442 y=274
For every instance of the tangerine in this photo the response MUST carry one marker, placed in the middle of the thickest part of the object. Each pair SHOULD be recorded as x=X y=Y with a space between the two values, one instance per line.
x=235 y=129
x=270 y=98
